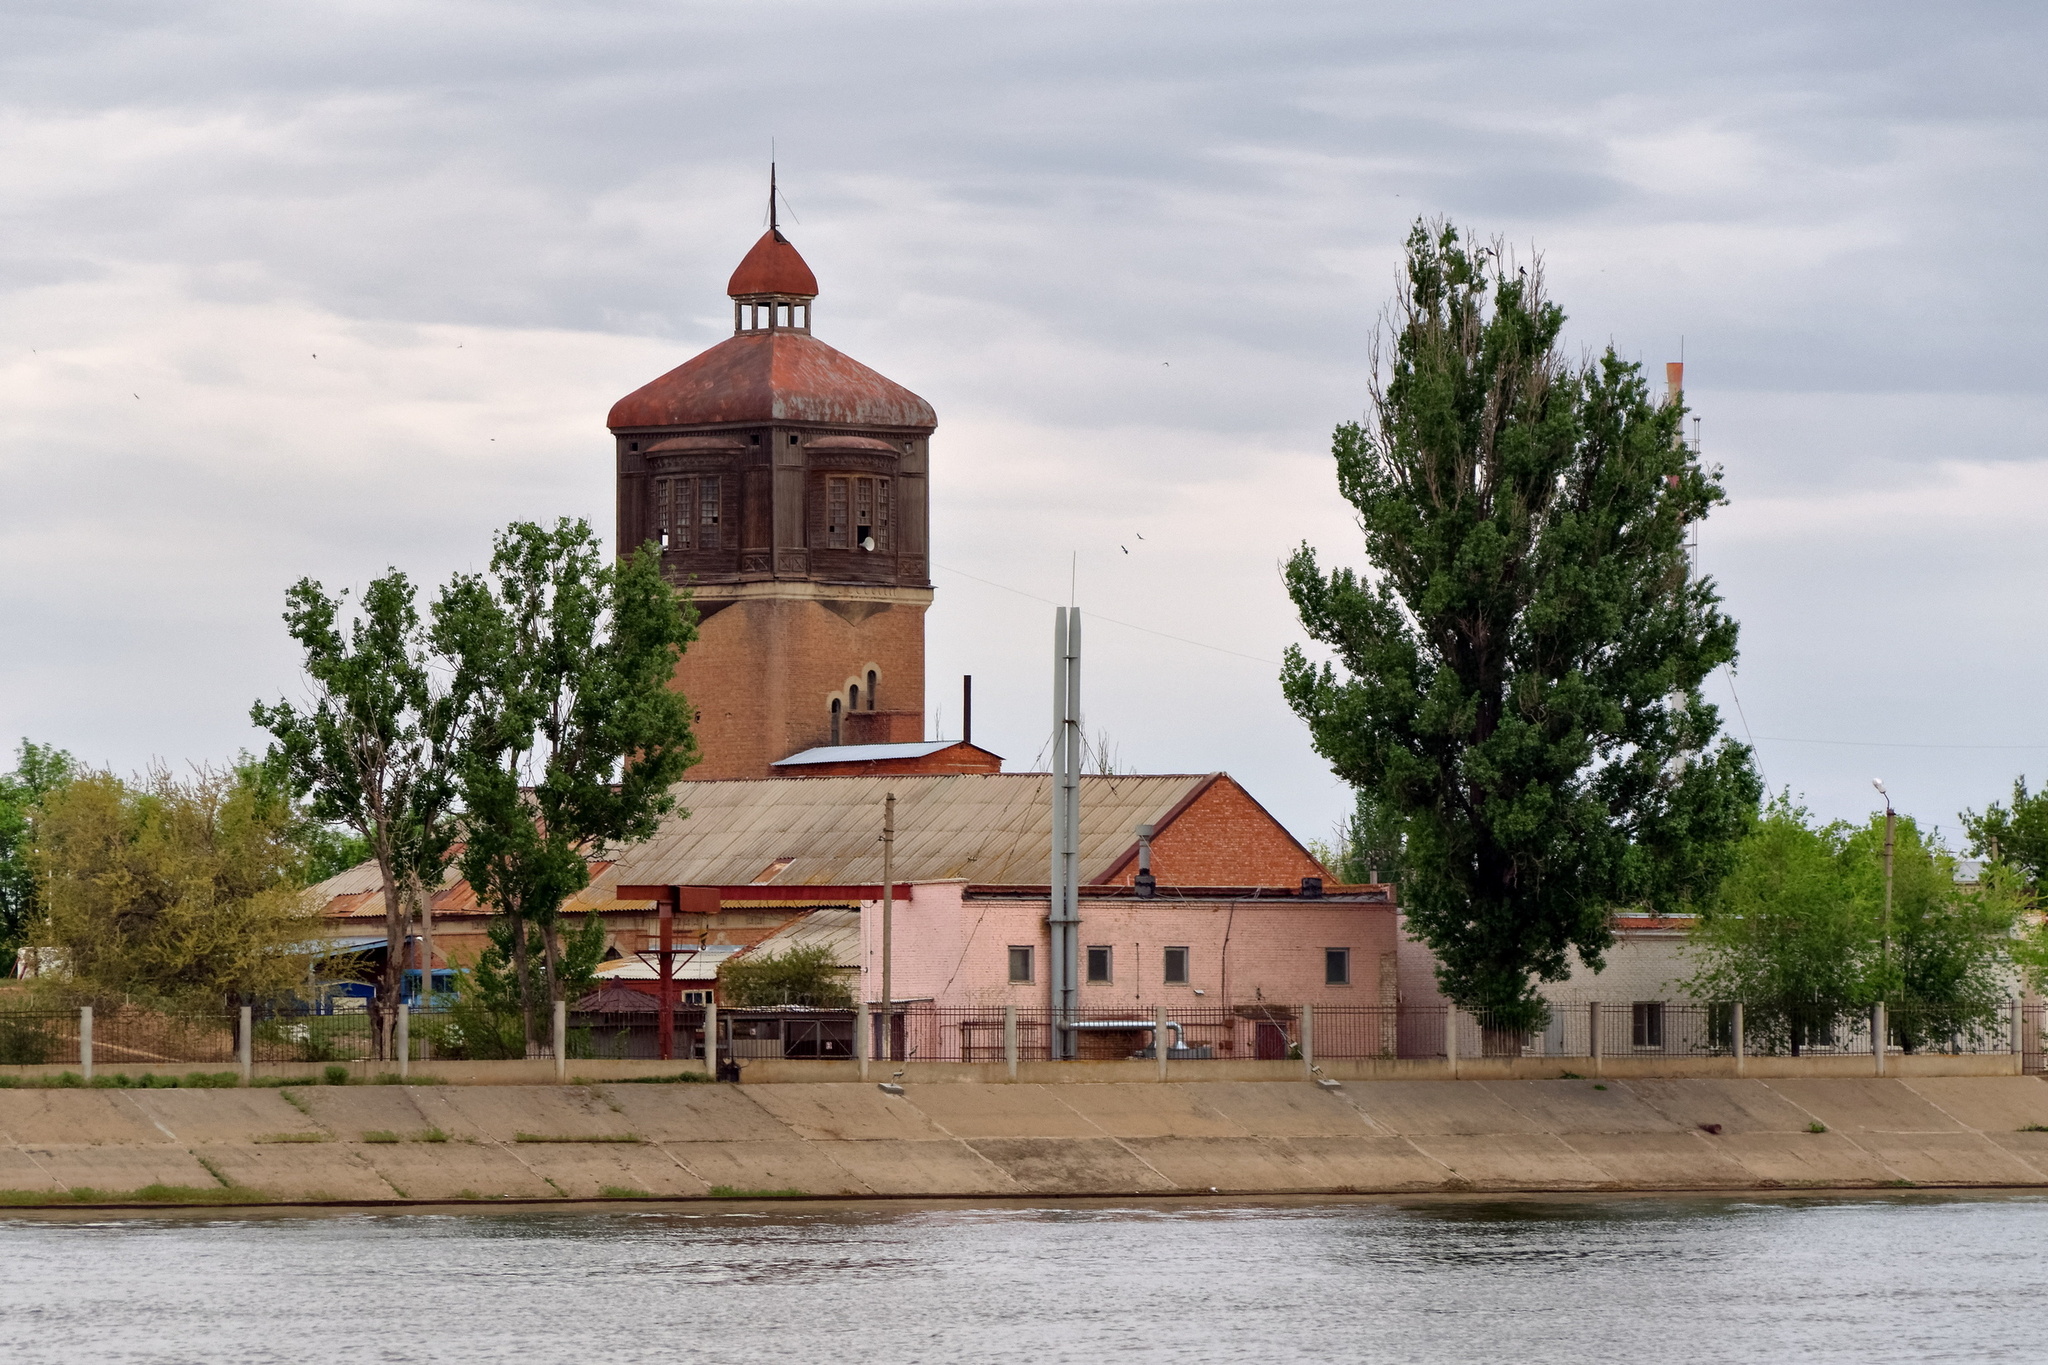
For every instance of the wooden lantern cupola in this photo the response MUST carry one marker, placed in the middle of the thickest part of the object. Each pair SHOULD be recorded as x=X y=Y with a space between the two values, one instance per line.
x=773 y=288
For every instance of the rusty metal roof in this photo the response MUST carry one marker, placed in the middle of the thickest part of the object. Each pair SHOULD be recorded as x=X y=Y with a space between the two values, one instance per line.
x=979 y=827
x=984 y=828
x=772 y=266
x=772 y=377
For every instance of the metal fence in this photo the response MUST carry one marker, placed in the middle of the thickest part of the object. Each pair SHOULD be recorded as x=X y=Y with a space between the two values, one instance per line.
x=139 y=1039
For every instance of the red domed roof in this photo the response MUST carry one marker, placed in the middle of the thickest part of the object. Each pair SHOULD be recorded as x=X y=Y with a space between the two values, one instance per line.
x=772 y=377
x=772 y=267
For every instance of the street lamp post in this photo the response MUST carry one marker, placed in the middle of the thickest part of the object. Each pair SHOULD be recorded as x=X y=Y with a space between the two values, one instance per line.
x=1890 y=827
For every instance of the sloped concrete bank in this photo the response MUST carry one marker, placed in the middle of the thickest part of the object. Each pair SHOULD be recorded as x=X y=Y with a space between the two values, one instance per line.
x=434 y=1144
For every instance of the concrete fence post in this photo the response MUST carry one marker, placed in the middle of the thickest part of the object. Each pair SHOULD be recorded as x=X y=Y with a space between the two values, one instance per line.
x=2019 y=1028
x=1159 y=1047
x=1451 y=1040
x=561 y=1041
x=1308 y=1041
x=1010 y=1039
x=711 y=1038
x=1593 y=1033
x=245 y=1045
x=1735 y=1031
x=85 y=1040
x=863 y=1040
x=403 y=1042
x=1877 y=1032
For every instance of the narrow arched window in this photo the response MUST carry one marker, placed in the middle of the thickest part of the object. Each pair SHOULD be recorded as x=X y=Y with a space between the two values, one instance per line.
x=871 y=689
x=853 y=695
x=835 y=720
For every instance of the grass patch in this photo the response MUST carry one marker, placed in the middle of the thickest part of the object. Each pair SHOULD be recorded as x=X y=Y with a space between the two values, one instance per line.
x=1816 y=1127
x=335 y=1075
x=148 y=1080
x=296 y=1102
x=1599 y=1087
x=381 y=1135
x=294 y=1137
x=193 y=1194
x=735 y=1192
x=1898 y=1184
x=680 y=1078
x=385 y=1135
x=594 y=1137
x=621 y=1192
x=2034 y=1128
x=1570 y=1076
x=431 y=1135
x=280 y=1082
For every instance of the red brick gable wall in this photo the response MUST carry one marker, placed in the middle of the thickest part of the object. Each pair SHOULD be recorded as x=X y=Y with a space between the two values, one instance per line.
x=1222 y=838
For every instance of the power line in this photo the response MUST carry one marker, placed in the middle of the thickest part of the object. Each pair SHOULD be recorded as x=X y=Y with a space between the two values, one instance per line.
x=1098 y=616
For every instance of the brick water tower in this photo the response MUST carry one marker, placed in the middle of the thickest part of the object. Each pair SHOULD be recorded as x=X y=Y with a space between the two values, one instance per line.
x=786 y=484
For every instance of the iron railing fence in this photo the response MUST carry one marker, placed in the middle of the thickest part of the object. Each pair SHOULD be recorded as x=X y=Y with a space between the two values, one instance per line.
x=137 y=1038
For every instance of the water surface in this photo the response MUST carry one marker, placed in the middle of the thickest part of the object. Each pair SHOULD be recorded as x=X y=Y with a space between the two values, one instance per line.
x=1692 y=1280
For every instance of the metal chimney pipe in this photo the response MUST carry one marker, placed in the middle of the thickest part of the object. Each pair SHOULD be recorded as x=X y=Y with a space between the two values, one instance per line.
x=967 y=708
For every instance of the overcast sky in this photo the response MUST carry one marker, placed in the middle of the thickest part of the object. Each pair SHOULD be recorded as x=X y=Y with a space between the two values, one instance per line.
x=321 y=288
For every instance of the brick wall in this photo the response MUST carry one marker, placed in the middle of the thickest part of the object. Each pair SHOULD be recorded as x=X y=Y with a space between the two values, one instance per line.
x=763 y=672
x=1223 y=838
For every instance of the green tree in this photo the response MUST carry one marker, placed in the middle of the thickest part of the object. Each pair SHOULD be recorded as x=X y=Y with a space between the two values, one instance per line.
x=173 y=892
x=2016 y=835
x=1521 y=673
x=38 y=771
x=373 y=750
x=795 y=976
x=1368 y=845
x=1800 y=935
x=487 y=1020
x=578 y=735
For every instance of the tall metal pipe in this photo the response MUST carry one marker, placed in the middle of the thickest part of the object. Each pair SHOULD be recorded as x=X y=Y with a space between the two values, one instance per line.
x=1063 y=916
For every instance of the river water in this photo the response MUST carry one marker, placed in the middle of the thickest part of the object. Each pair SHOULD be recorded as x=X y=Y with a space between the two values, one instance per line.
x=1574 y=1280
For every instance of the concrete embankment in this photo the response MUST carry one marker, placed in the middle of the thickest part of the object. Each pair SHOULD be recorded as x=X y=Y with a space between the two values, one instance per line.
x=441 y=1143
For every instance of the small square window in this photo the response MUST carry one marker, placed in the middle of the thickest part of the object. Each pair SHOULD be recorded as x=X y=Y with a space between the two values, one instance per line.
x=1336 y=966
x=1098 y=964
x=1176 y=966
x=792 y=438
x=1020 y=962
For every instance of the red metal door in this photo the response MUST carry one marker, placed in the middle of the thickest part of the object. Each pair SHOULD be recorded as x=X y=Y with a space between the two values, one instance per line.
x=1269 y=1044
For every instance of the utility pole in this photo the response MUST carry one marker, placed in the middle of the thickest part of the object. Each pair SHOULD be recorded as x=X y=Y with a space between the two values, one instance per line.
x=888 y=927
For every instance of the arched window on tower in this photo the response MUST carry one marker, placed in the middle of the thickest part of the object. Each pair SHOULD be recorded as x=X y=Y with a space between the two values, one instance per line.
x=871 y=689
x=835 y=720
x=853 y=698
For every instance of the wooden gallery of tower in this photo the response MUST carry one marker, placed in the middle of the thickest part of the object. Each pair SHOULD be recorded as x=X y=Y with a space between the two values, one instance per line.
x=787 y=485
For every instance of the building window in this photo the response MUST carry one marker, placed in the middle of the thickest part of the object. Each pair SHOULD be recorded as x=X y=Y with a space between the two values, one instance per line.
x=1098 y=963
x=835 y=720
x=853 y=698
x=1176 y=966
x=707 y=514
x=1020 y=962
x=1336 y=966
x=871 y=689
x=686 y=512
x=836 y=528
x=1646 y=1025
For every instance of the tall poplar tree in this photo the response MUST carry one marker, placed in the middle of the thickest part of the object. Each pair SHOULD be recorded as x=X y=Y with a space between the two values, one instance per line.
x=1517 y=676
x=373 y=748
x=577 y=735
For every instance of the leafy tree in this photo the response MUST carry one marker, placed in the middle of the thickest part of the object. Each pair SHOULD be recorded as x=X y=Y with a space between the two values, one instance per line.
x=795 y=976
x=38 y=771
x=487 y=1020
x=1368 y=846
x=578 y=735
x=2016 y=835
x=1521 y=673
x=329 y=851
x=1799 y=933
x=373 y=750
x=176 y=892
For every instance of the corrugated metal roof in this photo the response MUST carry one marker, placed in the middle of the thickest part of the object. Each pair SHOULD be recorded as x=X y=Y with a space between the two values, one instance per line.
x=979 y=827
x=864 y=753
x=837 y=928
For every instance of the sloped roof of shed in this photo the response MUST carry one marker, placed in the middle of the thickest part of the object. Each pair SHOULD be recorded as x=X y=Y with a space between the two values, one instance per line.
x=980 y=827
